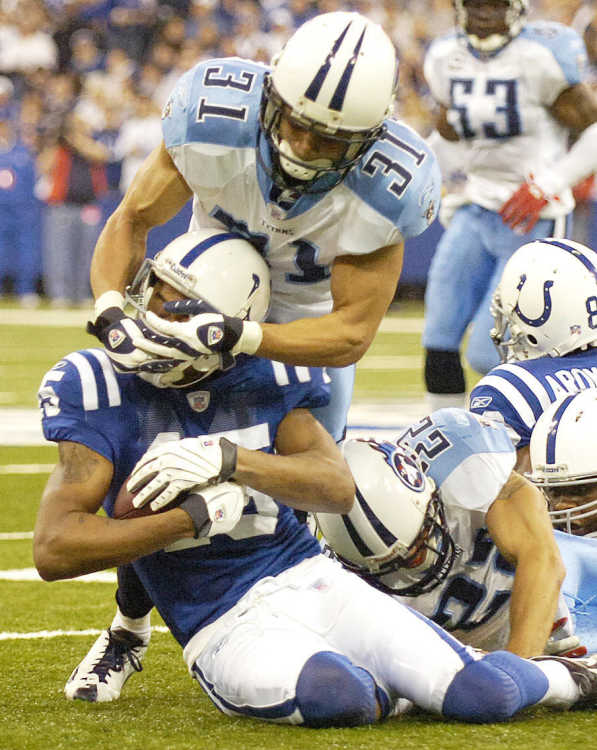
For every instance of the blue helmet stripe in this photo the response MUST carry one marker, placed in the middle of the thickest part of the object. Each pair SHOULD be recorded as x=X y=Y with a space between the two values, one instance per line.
x=384 y=534
x=550 y=448
x=340 y=92
x=314 y=87
x=204 y=245
x=587 y=263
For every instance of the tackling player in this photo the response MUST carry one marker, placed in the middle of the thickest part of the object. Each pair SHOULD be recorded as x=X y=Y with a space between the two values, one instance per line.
x=442 y=522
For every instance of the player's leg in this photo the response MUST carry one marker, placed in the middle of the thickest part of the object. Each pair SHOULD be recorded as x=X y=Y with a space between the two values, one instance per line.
x=409 y=656
x=119 y=650
x=501 y=243
x=269 y=658
x=451 y=299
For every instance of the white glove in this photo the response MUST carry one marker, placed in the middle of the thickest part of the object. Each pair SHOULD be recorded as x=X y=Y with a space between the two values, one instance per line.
x=130 y=343
x=217 y=509
x=206 y=332
x=170 y=468
x=563 y=642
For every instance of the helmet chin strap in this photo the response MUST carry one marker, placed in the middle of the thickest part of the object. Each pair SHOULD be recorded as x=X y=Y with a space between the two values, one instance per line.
x=182 y=375
x=299 y=171
x=489 y=43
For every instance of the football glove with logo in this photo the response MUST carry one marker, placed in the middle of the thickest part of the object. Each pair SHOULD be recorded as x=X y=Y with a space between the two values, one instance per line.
x=217 y=509
x=170 y=468
x=130 y=343
x=206 y=332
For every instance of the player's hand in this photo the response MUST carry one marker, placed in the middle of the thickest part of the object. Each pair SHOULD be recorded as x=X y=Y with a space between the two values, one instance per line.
x=522 y=210
x=133 y=346
x=206 y=332
x=215 y=510
x=170 y=468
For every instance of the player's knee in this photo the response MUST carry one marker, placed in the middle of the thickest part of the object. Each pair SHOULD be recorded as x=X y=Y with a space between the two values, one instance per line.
x=494 y=688
x=332 y=692
x=443 y=372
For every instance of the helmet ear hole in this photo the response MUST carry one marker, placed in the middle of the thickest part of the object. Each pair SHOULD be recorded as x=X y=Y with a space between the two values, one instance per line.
x=532 y=339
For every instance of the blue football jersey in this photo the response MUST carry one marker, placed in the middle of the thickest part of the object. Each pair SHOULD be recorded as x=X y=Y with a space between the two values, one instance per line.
x=211 y=131
x=120 y=416
x=518 y=393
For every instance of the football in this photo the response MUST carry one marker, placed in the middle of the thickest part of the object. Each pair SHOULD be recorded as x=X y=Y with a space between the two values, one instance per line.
x=123 y=505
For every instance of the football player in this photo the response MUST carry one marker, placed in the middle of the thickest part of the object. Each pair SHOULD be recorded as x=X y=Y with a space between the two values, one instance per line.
x=442 y=522
x=510 y=94
x=269 y=627
x=303 y=160
x=563 y=455
x=545 y=328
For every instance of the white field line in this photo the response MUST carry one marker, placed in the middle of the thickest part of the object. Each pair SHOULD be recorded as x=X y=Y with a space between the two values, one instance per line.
x=31 y=574
x=27 y=468
x=10 y=536
x=62 y=633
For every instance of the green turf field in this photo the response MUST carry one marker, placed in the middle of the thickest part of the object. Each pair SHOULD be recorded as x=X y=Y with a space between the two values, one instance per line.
x=42 y=625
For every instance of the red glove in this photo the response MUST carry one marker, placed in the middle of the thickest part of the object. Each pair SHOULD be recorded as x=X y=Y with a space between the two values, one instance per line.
x=521 y=211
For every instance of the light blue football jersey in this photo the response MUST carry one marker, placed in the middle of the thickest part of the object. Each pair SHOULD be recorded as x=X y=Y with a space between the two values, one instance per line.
x=211 y=130
x=500 y=106
x=120 y=416
x=470 y=459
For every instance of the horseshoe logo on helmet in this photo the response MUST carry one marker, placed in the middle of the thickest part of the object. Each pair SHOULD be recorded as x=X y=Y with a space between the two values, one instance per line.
x=541 y=319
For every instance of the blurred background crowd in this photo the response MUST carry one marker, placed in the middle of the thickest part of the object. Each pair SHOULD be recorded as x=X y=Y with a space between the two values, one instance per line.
x=82 y=84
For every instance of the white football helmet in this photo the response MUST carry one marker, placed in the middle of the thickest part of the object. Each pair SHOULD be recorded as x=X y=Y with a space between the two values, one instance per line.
x=397 y=524
x=515 y=16
x=335 y=76
x=218 y=267
x=563 y=455
x=546 y=301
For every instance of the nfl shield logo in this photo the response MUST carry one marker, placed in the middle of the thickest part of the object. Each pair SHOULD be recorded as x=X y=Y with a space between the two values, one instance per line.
x=199 y=400
x=575 y=330
x=115 y=338
x=214 y=335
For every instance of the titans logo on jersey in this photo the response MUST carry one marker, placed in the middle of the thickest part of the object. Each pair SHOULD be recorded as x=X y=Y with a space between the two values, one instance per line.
x=470 y=460
x=211 y=131
x=519 y=393
x=120 y=416
x=501 y=105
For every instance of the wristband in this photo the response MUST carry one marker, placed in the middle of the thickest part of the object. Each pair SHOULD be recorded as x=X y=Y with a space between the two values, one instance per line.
x=250 y=338
x=229 y=454
x=195 y=506
x=112 y=298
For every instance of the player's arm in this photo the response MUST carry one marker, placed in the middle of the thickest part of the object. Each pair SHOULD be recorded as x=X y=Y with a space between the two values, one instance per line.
x=519 y=525
x=308 y=471
x=70 y=539
x=157 y=193
x=576 y=109
x=362 y=288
